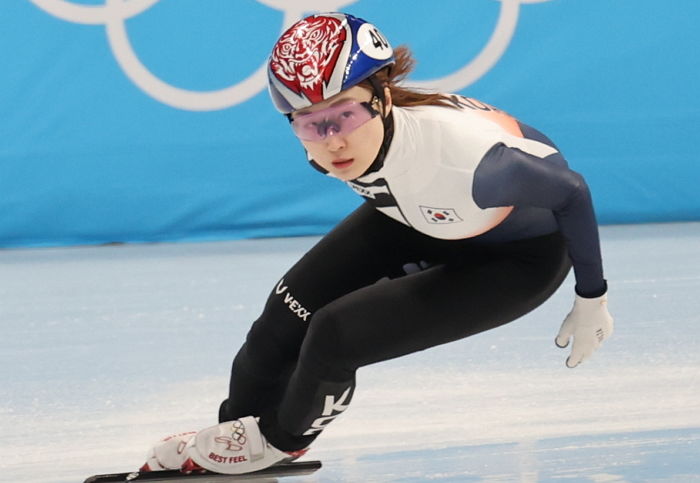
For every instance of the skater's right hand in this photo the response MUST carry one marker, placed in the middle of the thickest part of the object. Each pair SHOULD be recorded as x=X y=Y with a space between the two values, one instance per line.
x=168 y=453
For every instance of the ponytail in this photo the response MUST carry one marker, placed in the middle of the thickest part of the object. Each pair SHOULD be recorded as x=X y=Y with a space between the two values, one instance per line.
x=394 y=75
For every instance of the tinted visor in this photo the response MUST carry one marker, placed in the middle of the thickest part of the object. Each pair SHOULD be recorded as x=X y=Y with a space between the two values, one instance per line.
x=339 y=119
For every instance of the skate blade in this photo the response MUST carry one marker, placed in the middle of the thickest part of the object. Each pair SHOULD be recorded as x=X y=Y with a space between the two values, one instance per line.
x=297 y=468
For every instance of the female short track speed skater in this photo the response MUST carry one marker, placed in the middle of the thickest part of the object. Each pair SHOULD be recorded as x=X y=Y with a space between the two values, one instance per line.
x=471 y=220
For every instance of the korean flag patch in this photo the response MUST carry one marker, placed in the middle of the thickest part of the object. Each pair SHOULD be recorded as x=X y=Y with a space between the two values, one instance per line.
x=440 y=215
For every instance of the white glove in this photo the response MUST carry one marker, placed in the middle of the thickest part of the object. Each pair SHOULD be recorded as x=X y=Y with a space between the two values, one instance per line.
x=168 y=453
x=590 y=324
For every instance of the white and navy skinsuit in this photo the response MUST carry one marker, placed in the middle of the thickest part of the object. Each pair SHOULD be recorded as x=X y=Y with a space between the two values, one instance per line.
x=484 y=204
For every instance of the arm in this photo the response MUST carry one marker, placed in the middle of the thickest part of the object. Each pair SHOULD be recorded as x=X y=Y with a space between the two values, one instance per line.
x=511 y=177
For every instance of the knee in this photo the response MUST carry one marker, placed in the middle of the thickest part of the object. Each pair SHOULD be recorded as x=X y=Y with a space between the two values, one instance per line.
x=326 y=350
x=272 y=344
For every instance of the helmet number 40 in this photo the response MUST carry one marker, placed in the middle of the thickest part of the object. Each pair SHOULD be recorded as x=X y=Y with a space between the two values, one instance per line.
x=373 y=43
x=378 y=40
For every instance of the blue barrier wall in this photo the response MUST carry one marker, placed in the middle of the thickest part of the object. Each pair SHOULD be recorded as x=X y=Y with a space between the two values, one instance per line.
x=147 y=120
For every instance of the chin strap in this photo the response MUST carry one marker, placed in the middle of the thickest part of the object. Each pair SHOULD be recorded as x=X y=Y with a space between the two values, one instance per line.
x=316 y=166
x=387 y=120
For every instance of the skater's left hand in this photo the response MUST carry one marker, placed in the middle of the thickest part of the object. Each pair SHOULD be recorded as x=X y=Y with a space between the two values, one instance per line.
x=590 y=324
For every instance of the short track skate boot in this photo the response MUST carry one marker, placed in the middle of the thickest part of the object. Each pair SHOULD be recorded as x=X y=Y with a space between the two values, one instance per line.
x=233 y=448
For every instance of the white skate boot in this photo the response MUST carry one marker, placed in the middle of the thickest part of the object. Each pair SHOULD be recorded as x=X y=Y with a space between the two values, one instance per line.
x=232 y=448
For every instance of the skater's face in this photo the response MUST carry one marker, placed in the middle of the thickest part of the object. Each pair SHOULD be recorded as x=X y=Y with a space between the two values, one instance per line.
x=343 y=134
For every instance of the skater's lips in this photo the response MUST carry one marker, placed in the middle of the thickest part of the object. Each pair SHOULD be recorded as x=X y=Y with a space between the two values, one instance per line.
x=343 y=162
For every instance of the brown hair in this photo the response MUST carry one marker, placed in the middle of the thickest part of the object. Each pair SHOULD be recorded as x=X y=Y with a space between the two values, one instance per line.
x=401 y=96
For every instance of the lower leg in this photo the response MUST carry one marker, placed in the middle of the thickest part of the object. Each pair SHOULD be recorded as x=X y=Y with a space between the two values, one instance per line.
x=253 y=390
x=308 y=406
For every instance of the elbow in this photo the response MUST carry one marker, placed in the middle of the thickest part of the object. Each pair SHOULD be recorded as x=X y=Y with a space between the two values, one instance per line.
x=577 y=191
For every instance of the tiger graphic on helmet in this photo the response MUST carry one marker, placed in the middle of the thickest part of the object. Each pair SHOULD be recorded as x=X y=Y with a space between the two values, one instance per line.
x=322 y=55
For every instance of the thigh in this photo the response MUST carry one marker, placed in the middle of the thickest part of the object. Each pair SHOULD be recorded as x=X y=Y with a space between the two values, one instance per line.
x=362 y=249
x=439 y=305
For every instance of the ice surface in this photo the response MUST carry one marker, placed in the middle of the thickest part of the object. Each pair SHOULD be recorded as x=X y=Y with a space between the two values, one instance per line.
x=106 y=349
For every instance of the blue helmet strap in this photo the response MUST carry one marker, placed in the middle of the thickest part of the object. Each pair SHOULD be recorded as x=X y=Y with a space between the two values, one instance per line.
x=378 y=89
x=387 y=120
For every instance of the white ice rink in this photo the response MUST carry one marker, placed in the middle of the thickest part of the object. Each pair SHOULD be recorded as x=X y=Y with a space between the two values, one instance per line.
x=107 y=349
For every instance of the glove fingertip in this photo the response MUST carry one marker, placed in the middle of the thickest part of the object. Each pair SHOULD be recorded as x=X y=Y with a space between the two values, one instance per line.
x=561 y=345
x=568 y=363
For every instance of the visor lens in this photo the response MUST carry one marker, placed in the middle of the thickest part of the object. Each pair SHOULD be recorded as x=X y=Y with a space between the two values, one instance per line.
x=341 y=119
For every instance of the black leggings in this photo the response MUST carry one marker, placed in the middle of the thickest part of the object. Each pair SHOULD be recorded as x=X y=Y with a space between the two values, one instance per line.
x=349 y=302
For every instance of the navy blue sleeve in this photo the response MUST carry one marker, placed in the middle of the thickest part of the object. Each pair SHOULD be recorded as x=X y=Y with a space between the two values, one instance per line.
x=510 y=177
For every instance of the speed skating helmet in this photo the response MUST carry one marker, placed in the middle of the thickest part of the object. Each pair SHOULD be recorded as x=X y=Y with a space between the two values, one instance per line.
x=322 y=55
